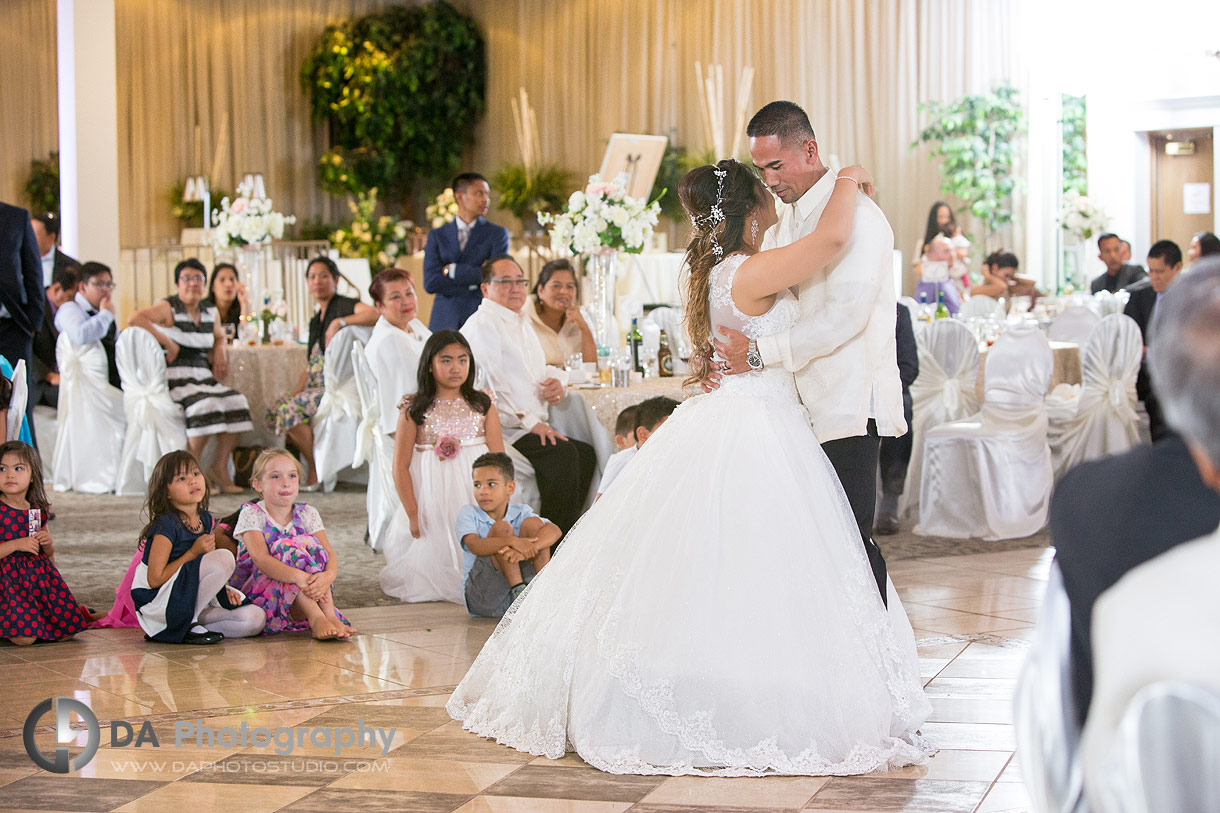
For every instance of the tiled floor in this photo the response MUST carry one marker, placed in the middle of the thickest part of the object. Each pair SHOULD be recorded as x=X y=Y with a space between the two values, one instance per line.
x=973 y=616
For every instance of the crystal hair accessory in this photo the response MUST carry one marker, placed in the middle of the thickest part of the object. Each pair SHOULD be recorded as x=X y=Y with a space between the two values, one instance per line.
x=716 y=214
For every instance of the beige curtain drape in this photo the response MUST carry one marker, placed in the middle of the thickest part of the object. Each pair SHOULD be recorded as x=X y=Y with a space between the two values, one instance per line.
x=859 y=67
x=29 y=113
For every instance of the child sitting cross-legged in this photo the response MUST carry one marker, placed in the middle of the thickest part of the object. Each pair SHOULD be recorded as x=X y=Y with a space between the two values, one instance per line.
x=505 y=544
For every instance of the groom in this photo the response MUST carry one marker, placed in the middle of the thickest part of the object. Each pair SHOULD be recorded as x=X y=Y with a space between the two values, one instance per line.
x=842 y=350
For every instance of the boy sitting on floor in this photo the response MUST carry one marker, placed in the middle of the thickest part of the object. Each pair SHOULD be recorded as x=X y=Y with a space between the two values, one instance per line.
x=649 y=415
x=505 y=544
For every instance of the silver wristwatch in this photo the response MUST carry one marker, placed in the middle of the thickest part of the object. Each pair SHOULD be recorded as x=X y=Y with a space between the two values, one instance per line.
x=752 y=357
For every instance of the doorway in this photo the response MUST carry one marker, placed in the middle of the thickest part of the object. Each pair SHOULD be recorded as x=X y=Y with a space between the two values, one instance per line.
x=1183 y=178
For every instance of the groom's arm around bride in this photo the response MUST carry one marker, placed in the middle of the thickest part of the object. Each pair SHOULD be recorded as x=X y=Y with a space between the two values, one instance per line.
x=842 y=349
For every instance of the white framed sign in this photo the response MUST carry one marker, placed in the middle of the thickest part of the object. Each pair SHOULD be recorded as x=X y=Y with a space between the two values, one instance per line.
x=639 y=157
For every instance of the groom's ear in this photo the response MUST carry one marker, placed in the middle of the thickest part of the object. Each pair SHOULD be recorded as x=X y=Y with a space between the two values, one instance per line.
x=811 y=150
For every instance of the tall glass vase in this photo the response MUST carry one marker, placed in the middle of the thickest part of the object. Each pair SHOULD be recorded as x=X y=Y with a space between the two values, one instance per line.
x=252 y=272
x=601 y=268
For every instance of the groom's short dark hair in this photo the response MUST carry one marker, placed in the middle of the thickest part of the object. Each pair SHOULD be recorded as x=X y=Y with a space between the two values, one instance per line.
x=784 y=119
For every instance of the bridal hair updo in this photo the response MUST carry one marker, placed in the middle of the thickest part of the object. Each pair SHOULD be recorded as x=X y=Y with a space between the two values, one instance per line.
x=743 y=193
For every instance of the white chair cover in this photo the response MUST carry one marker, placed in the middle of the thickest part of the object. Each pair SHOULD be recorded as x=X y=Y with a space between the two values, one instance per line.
x=1107 y=304
x=1073 y=325
x=1044 y=709
x=91 y=423
x=1100 y=417
x=17 y=402
x=990 y=476
x=981 y=306
x=375 y=448
x=944 y=391
x=334 y=424
x=670 y=320
x=1165 y=754
x=155 y=424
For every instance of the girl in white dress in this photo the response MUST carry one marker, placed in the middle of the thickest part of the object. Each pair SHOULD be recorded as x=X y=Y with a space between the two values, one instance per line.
x=715 y=613
x=442 y=429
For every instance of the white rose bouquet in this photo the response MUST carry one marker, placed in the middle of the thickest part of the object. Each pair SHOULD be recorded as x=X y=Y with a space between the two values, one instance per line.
x=602 y=216
x=443 y=209
x=246 y=220
x=1081 y=219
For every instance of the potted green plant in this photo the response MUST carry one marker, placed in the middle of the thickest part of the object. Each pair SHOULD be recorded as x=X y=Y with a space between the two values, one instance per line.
x=42 y=184
x=525 y=193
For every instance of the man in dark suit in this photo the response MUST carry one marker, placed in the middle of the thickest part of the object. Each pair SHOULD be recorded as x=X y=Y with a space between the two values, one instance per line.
x=1164 y=264
x=455 y=253
x=1111 y=515
x=1118 y=275
x=46 y=232
x=21 y=292
x=895 y=453
x=63 y=287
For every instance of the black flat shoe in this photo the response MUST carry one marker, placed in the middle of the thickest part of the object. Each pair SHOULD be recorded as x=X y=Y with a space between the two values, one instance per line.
x=203 y=637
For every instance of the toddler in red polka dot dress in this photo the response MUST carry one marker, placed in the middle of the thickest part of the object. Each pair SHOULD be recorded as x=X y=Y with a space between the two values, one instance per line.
x=35 y=603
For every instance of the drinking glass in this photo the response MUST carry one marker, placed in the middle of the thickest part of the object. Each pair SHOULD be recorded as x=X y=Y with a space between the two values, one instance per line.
x=230 y=332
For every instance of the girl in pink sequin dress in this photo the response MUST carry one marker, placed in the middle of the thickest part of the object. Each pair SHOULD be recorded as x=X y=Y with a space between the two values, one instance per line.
x=442 y=430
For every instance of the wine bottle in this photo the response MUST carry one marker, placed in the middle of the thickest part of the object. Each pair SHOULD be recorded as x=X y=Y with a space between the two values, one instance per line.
x=665 y=359
x=633 y=340
x=941 y=311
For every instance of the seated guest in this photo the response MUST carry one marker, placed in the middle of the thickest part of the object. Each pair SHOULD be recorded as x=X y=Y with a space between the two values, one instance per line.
x=555 y=314
x=624 y=428
x=1156 y=500
x=89 y=316
x=894 y=455
x=935 y=275
x=1118 y=275
x=1161 y=621
x=455 y=253
x=46 y=232
x=1203 y=244
x=649 y=415
x=398 y=338
x=1164 y=264
x=1124 y=251
x=508 y=349
x=64 y=284
x=941 y=221
x=291 y=415
x=505 y=544
x=1000 y=279
x=196 y=356
x=228 y=295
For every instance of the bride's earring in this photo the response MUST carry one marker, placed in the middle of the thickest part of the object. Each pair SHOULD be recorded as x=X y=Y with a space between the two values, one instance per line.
x=754 y=232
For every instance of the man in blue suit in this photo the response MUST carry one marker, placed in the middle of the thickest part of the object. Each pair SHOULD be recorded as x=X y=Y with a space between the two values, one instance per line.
x=455 y=253
x=21 y=294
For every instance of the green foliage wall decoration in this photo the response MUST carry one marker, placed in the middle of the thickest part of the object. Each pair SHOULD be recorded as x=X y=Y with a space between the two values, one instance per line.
x=1075 y=164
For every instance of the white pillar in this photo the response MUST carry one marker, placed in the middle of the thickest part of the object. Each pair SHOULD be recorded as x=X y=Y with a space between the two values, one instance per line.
x=88 y=131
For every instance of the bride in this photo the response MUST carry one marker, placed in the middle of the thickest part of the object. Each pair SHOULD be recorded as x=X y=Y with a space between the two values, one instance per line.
x=714 y=612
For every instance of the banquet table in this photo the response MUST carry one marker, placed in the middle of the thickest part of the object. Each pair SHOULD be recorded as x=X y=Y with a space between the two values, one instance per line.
x=1066 y=370
x=264 y=373
x=608 y=401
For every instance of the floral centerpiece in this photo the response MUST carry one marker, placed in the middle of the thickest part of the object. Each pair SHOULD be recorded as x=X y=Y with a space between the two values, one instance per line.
x=1081 y=219
x=246 y=220
x=379 y=240
x=599 y=221
x=602 y=216
x=443 y=209
x=275 y=309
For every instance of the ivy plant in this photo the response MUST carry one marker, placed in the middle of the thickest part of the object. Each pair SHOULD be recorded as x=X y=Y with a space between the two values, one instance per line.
x=1075 y=166
x=401 y=90
x=975 y=137
x=42 y=184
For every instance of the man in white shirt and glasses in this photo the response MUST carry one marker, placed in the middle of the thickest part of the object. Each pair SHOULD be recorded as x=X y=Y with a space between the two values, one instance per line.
x=508 y=351
x=842 y=349
x=89 y=316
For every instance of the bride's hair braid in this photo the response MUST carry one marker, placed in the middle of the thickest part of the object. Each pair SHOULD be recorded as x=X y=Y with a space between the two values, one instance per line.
x=718 y=209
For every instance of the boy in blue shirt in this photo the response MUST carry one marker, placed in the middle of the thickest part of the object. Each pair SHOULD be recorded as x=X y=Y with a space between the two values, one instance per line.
x=505 y=544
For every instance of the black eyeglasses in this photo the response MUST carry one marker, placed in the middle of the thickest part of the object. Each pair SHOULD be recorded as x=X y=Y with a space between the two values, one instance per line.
x=512 y=283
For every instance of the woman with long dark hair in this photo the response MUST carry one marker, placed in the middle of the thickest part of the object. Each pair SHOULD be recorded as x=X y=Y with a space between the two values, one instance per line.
x=943 y=223
x=228 y=295
x=442 y=429
x=714 y=612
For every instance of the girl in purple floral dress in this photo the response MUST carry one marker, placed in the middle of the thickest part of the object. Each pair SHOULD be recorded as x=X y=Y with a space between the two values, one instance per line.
x=285 y=563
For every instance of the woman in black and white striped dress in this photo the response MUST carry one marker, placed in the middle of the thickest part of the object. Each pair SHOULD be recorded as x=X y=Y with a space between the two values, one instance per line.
x=190 y=332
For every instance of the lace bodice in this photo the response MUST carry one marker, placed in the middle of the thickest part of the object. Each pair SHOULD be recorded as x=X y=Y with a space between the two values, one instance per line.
x=770 y=381
x=779 y=318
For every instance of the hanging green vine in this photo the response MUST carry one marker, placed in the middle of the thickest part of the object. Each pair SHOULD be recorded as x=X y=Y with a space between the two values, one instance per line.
x=1075 y=165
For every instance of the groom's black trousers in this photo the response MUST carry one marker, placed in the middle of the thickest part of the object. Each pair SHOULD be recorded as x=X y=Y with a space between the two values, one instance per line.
x=855 y=461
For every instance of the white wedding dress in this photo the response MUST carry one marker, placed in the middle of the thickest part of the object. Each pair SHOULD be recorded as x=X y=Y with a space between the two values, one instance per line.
x=714 y=613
